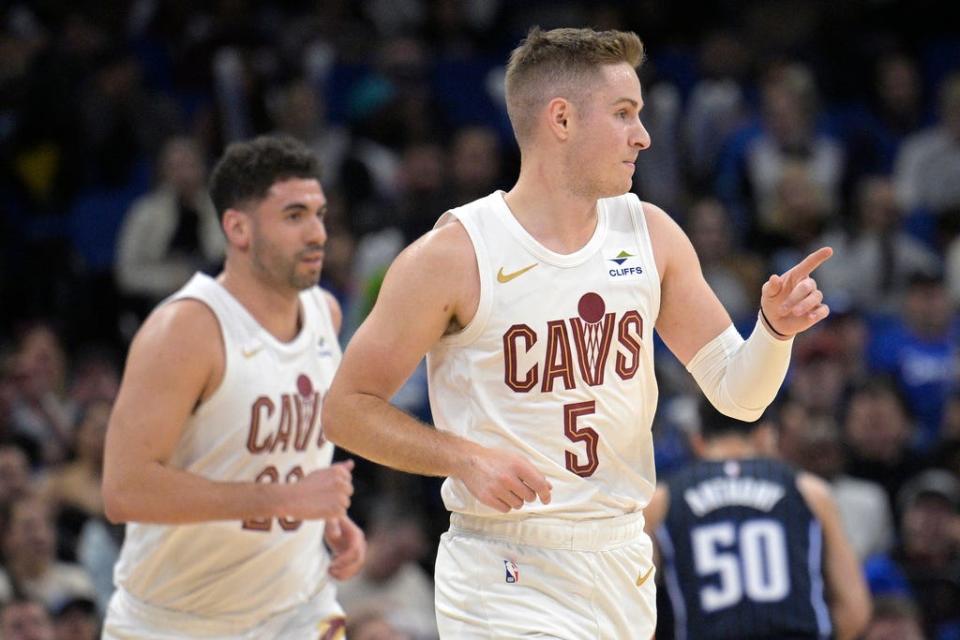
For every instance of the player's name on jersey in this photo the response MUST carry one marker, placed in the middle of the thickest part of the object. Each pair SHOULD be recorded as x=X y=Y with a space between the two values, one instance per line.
x=716 y=493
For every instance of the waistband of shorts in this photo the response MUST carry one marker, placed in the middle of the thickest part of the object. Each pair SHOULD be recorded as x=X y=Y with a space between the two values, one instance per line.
x=553 y=533
x=188 y=624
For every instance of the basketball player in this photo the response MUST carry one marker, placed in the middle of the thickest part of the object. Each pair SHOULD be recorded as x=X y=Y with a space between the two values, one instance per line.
x=537 y=308
x=215 y=453
x=751 y=549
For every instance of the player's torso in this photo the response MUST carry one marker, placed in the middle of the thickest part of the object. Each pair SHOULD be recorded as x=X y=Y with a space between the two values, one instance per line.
x=742 y=554
x=557 y=363
x=262 y=424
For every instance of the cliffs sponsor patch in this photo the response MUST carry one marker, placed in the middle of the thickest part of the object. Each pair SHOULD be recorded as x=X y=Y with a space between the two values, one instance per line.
x=625 y=265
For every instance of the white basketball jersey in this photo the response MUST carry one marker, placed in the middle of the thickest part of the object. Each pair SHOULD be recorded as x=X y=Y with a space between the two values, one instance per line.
x=261 y=425
x=557 y=363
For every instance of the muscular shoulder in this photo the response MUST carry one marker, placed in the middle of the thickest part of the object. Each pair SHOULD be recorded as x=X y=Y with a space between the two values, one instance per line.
x=448 y=246
x=669 y=241
x=439 y=270
x=181 y=336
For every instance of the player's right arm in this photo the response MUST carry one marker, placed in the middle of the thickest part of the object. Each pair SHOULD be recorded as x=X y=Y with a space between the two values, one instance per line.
x=175 y=361
x=849 y=599
x=431 y=286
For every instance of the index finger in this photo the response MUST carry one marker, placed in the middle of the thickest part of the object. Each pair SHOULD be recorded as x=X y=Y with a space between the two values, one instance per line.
x=808 y=264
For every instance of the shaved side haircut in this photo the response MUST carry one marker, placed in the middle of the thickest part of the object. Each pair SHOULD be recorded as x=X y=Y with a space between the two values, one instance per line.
x=561 y=63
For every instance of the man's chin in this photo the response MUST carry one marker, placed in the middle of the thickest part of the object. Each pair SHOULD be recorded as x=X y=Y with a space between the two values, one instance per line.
x=305 y=281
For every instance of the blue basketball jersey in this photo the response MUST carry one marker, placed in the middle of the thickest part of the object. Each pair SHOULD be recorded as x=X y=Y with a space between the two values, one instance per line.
x=741 y=554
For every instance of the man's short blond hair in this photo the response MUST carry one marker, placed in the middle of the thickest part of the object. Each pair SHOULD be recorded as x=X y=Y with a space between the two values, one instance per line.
x=561 y=63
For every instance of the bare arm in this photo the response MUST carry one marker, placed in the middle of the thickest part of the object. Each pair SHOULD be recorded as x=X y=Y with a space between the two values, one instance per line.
x=849 y=599
x=691 y=315
x=175 y=361
x=422 y=295
x=740 y=378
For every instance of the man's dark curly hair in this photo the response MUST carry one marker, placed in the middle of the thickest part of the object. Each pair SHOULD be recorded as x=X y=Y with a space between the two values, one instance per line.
x=248 y=169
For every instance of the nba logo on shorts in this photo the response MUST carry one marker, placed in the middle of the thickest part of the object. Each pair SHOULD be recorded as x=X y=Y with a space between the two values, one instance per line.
x=513 y=571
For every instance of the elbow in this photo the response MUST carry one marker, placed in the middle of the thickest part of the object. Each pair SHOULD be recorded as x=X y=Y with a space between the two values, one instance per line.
x=115 y=503
x=329 y=418
x=855 y=620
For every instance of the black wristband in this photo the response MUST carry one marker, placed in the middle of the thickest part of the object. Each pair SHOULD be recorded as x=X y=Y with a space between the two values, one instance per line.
x=770 y=325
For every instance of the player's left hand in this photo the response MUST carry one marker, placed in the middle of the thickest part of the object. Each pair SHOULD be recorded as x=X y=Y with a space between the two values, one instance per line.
x=791 y=302
x=348 y=547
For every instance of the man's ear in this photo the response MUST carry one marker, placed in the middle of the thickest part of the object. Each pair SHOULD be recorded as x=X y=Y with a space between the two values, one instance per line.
x=236 y=227
x=559 y=117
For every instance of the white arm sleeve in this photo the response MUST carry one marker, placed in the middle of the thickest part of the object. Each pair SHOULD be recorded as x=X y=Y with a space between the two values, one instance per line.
x=741 y=377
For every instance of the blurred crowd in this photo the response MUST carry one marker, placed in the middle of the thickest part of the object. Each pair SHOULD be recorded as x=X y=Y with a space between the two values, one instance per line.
x=778 y=126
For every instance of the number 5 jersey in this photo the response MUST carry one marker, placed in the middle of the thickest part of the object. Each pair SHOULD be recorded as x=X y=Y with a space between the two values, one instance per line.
x=557 y=363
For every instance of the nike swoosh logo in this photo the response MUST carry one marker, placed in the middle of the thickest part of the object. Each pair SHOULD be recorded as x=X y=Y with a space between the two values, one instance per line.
x=643 y=578
x=507 y=277
x=249 y=352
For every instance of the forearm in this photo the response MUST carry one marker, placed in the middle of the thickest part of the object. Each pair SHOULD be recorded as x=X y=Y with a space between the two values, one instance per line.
x=373 y=428
x=849 y=619
x=155 y=493
x=742 y=377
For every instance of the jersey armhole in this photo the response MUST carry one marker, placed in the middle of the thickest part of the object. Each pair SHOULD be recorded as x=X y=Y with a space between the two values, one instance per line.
x=225 y=344
x=475 y=327
x=639 y=218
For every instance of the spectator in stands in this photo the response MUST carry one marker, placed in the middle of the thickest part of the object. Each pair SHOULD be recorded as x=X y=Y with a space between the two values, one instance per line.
x=42 y=413
x=812 y=442
x=874 y=260
x=919 y=350
x=171 y=232
x=895 y=618
x=28 y=542
x=928 y=163
x=25 y=619
x=929 y=551
x=877 y=430
x=392 y=582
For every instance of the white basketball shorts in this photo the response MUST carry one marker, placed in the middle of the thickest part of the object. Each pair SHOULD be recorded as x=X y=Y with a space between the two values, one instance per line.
x=545 y=579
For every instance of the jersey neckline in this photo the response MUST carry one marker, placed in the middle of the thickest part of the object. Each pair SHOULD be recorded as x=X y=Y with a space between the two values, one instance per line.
x=531 y=244
x=257 y=332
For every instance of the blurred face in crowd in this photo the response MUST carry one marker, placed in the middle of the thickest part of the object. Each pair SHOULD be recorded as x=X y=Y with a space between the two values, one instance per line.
x=819 y=382
x=927 y=309
x=475 y=157
x=877 y=427
x=899 y=85
x=927 y=530
x=393 y=546
x=76 y=624
x=182 y=167
x=14 y=473
x=810 y=442
x=710 y=231
x=92 y=431
x=878 y=204
x=25 y=621
x=41 y=364
x=894 y=629
x=30 y=539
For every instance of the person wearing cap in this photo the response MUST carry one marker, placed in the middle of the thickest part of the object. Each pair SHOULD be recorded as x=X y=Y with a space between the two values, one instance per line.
x=929 y=553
